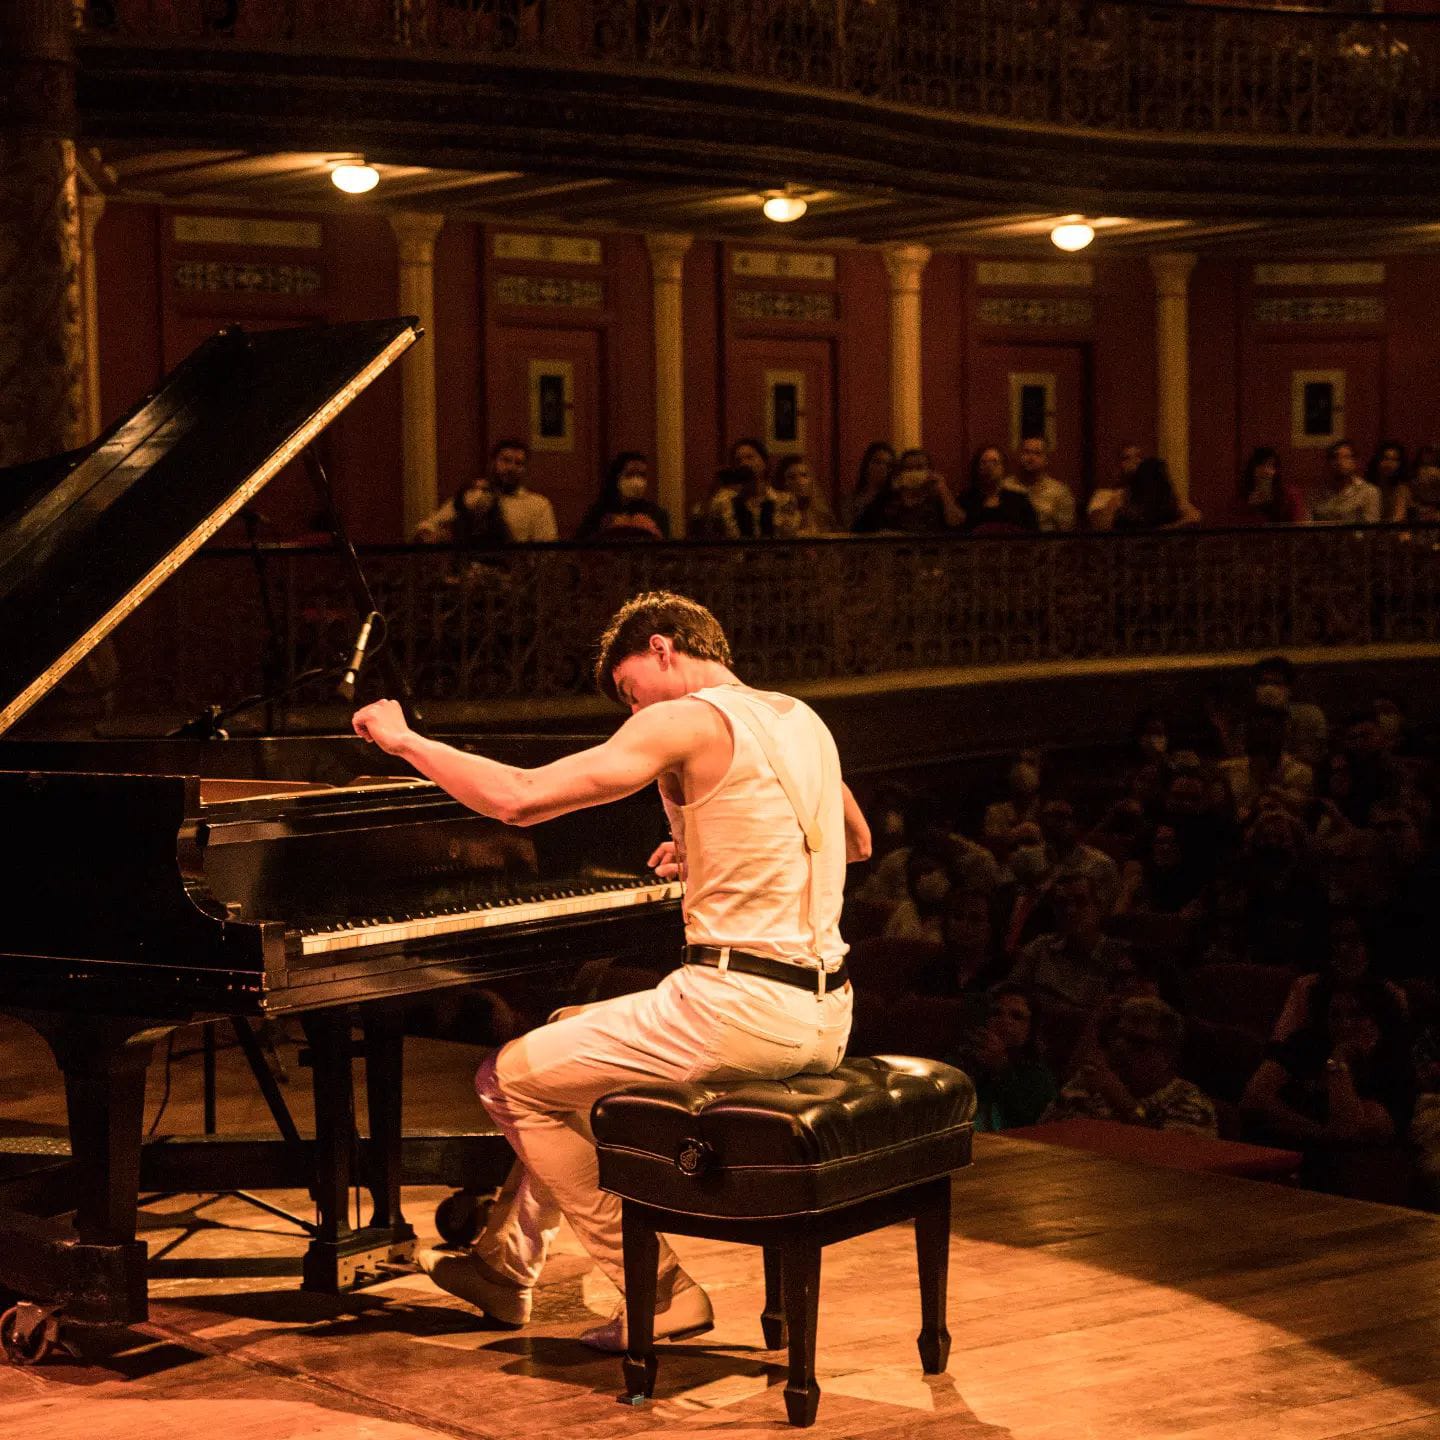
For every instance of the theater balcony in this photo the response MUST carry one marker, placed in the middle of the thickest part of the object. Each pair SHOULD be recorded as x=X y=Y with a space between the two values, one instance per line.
x=1112 y=107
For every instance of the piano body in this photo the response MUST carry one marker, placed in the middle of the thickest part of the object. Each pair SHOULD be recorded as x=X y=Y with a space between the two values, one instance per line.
x=153 y=884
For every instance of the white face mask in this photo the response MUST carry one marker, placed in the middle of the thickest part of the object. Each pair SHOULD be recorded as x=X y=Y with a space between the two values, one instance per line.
x=632 y=487
x=1272 y=696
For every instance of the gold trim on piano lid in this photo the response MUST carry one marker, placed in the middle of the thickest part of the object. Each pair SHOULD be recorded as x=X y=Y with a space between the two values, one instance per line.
x=52 y=676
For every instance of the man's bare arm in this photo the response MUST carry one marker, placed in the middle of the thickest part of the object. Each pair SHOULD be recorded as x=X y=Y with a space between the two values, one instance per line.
x=659 y=738
x=857 y=830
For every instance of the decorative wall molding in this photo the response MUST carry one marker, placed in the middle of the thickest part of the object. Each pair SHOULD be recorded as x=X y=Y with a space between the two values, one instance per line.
x=1036 y=312
x=246 y=230
x=239 y=277
x=549 y=291
x=1322 y=310
x=1347 y=272
x=557 y=249
x=783 y=305
x=783 y=264
x=1075 y=274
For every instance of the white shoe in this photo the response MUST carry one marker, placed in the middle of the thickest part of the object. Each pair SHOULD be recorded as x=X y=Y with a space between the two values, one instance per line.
x=466 y=1276
x=688 y=1314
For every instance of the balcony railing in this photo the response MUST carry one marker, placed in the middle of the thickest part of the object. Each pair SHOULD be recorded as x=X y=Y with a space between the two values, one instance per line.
x=1175 y=69
x=521 y=624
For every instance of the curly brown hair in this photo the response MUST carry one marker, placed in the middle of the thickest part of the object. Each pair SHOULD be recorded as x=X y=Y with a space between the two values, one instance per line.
x=693 y=630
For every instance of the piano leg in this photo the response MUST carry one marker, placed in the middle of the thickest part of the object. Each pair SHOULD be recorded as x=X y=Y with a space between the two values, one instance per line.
x=384 y=1080
x=95 y=1275
x=341 y=1257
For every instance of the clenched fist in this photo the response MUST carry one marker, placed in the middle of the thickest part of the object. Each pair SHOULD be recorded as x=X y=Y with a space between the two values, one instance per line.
x=383 y=723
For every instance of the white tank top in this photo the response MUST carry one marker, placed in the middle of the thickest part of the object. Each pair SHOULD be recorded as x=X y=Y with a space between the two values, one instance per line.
x=748 y=874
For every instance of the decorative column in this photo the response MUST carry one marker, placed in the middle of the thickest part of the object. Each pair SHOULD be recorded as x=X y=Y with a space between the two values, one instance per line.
x=1172 y=363
x=904 y=264
x=42 y=401
x=415 y=233
x=92 y=207
x=667 y=263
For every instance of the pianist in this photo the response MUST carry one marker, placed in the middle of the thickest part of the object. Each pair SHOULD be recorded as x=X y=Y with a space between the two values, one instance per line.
x=762 y=829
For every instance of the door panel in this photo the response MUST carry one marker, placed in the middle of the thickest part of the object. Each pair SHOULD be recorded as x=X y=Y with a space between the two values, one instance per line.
x=1017 y=389
x=547 y=391
x=1331 y=388
x=782 y=391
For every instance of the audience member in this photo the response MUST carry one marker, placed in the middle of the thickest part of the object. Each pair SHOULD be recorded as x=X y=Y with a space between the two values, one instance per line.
x=1050 y=498
x=1133 y=1075
x=1066 y=854
x=1307 y=733
x=1013 y=1084
x=989 y=507
x=1265 y=493
x=470 y=520
x=1151 y=503
x=872 y=481
x=927 y=884
x=529 y=516
x=623 y=511
x=1266 y=768
x=1021 y=804
x=1105 y=500
x=713 y=517
x=1345 y=496
x=917 y=501
x=745 y=506
x=1418 y=501
x=970 y=959
x=810 y=512
x=1389 y=474
x=1074 y=963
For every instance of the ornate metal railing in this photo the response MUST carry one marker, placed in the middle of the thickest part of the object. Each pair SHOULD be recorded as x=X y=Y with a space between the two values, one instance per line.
x=521 y=624
x=1169 y=68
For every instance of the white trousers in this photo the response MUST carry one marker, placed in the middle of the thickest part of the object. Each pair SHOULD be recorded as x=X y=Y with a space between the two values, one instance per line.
x=697 y=1024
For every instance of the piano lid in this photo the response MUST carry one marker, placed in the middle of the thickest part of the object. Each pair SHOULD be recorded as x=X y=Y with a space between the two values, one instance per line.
x=79 y=553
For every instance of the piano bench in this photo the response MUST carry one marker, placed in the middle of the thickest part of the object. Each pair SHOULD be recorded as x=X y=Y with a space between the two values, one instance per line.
x=790 y=1165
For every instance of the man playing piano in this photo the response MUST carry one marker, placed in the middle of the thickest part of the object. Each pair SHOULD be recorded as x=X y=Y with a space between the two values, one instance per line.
x=762 y=829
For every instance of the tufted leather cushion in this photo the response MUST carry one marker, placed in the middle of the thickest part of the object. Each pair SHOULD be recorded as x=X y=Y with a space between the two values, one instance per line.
x=760 y=1149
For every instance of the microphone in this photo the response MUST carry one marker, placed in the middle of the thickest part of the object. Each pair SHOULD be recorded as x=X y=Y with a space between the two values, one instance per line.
x=346 y=688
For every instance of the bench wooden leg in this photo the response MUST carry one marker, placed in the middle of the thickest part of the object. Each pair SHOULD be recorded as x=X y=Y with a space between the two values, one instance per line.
x=800 y=1268
x=932 y=1252
x=642 y=1264
x=772 y=1320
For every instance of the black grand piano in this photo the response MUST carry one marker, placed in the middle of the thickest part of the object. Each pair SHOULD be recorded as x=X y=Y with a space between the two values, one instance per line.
x=149 y=886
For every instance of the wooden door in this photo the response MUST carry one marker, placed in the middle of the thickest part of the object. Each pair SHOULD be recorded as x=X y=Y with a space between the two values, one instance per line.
x=1300 y=396
x=1019 y=390
x=547 y=391
x=782 y=390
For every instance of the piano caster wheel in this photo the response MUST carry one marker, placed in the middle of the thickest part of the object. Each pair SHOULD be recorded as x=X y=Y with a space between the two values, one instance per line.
x=460 y=1218
x=30 y=1334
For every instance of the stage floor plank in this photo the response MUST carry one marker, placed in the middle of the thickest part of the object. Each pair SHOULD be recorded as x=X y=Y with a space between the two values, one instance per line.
x=1089 y=1300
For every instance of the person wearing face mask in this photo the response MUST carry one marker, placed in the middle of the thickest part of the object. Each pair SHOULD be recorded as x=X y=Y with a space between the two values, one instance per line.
x=1307 y=732
x=811 y=513
x=623 y=510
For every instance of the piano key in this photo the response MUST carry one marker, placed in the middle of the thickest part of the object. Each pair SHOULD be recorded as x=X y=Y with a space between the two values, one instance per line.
x=514 y=910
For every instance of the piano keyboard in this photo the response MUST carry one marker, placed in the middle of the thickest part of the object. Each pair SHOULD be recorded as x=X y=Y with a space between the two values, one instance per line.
x=388 y=930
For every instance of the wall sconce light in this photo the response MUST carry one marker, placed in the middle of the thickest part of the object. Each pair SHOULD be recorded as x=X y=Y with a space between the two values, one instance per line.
x=1072 y=235
x=354 y=177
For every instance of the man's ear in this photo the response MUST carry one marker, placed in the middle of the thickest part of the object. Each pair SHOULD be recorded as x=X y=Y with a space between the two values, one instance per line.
x=661 y=649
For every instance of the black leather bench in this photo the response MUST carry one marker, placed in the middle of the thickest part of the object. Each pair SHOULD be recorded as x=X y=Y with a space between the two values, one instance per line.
x=791 y=1165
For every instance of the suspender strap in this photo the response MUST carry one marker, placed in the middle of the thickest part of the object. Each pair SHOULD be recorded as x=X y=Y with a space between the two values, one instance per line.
x=763 y=739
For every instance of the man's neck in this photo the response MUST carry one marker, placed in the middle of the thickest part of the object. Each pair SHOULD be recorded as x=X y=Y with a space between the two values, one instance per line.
x=705 y=674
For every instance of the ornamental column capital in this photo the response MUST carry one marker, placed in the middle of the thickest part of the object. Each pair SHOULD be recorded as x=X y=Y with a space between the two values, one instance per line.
x=416 y=232
x=904 y=265
x=1171 y=269
x=668 y=249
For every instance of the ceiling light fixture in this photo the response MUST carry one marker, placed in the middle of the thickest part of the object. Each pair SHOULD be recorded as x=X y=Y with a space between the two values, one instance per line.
x=782 y=207
x=1072 y=235
x=354 y=177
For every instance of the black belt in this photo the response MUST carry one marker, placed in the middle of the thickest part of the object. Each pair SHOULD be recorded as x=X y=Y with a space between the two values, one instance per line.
x=786 y=973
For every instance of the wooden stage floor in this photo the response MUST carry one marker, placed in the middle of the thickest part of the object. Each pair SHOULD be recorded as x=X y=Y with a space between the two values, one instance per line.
x=1089 y=1300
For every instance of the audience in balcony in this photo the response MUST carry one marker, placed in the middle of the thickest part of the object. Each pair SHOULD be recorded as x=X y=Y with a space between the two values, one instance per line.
x=871 y=482
x=1051 y=499
x=745 y=505
x=1267 y=494
x=623 y=510
x=915 y=501
x=1417 y=501
x=469 y=521
x=811 y=513
x=988 y=507
x=1133 y=1074
x=1345 y=496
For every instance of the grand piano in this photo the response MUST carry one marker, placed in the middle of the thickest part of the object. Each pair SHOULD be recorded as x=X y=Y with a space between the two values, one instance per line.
x=154 y=885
